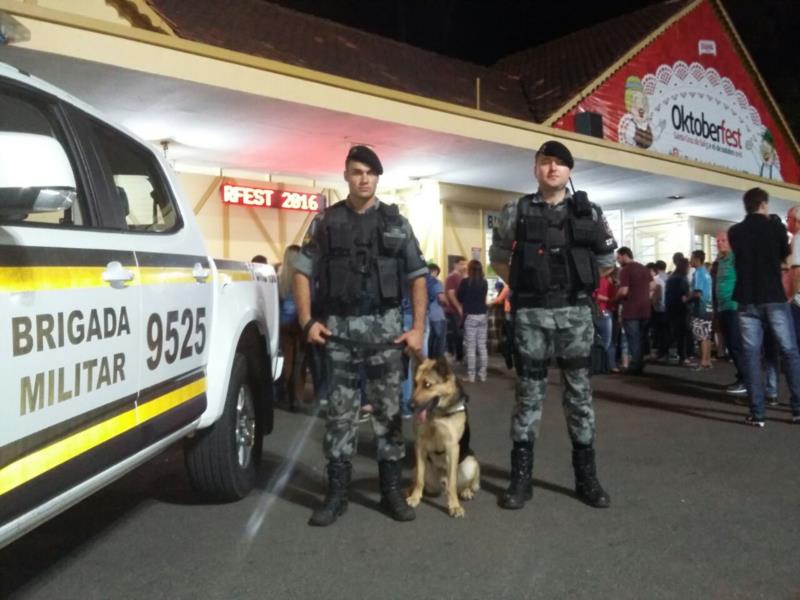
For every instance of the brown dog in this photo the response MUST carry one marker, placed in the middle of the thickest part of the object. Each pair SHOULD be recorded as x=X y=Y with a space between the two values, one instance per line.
x=444 y=459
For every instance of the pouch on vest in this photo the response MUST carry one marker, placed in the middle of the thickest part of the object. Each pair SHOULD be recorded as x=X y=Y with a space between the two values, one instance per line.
x=340 y=239
x=584 y=232
x=535 y=267
x=535 y=229
x=585 y=267
x=393 y=241
x=388 y=278
x=340 y=281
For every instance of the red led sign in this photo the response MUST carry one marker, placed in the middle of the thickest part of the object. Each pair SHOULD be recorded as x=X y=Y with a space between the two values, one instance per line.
x=269 y=198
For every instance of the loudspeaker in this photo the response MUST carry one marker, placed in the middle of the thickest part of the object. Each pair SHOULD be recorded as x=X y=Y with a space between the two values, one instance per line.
x=589 y=123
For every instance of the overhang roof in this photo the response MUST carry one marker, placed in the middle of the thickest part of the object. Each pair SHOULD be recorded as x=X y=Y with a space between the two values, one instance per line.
x=230 y=110
x=537 y=84
x=532 y=84
x=230 y=130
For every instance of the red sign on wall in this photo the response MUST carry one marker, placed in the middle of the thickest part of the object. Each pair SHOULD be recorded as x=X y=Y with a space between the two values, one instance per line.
x=689 y=94
x=269 y=198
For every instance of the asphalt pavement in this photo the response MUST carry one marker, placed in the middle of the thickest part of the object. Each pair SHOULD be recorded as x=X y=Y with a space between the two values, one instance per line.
x=703 y=506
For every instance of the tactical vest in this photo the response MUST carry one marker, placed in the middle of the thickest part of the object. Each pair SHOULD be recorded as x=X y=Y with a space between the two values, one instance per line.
x=553 y=262
x=360 y=267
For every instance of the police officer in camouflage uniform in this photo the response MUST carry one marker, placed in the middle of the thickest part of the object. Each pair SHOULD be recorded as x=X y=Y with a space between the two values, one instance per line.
x=357 y=257
x=551 y=247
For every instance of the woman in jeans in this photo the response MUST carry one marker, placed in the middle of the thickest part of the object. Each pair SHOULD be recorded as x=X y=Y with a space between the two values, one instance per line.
x=472 y=296
x=604 y=296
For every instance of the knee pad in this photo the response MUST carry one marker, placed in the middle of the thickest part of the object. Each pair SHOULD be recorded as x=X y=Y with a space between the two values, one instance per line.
x=575 y=362
x=530 y=368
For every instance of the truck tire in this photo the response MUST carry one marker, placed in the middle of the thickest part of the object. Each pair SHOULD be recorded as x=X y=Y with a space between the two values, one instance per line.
x=221 y=460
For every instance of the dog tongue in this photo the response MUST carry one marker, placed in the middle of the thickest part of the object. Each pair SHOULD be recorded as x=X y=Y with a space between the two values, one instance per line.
x=422 y=416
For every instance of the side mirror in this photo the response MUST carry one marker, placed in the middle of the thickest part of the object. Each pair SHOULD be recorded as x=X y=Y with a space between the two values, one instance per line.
x=35 y=175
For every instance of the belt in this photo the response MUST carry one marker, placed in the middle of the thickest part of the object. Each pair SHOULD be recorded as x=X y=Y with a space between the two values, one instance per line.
x=359 y=311
x=554 y=300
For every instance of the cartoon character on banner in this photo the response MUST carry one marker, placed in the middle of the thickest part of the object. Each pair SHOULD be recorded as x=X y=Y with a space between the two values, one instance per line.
x=763 y=148
x=634 y=127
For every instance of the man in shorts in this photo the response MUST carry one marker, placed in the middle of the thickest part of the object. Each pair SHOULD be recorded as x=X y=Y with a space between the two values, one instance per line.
x=701 y=312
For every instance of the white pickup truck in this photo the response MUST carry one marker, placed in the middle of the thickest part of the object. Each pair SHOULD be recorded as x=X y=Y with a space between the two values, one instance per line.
x=118 y=334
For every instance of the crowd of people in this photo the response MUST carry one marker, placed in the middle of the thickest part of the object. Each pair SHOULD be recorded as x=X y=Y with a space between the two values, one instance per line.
x=745 y=304
x=646 y=312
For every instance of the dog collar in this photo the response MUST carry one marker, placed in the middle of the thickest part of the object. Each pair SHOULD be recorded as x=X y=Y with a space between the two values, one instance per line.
x=460 y=407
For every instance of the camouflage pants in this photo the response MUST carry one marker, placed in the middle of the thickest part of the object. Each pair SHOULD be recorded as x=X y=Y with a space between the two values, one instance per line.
x=541 y=333
x=378 y=373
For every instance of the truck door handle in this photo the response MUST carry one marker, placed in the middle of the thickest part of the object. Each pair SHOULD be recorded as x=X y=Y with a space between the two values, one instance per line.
x=200 y=273
x=116 y=273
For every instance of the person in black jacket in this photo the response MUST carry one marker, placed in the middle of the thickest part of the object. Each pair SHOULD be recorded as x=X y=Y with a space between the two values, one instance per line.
x=760 y=244
x=675 y=296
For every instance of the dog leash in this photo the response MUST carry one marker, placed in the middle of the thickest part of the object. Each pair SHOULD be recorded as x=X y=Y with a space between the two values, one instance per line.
x=366 y=345
x=354 y=343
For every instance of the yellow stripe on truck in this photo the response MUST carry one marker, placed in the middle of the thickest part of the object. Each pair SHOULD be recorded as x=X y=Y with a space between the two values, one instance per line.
x=228 y=275
x=33 y=465
x=41 y=279
x=29 y=279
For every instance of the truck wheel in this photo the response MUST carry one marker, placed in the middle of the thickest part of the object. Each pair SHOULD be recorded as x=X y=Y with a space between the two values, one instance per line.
x=221 y=460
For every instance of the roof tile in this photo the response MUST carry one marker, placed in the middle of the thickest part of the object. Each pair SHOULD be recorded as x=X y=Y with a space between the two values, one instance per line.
x=529 y=85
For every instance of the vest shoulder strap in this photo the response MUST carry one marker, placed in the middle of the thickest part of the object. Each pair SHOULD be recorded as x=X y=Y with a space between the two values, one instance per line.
x=336 y=213
x=390 y=213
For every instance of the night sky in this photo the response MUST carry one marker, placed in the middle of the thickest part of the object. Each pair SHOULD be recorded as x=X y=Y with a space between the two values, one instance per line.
x=482 y=31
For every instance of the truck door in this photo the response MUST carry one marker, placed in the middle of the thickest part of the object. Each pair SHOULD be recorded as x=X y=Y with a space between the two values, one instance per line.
x=176 y=284
x=70 y=312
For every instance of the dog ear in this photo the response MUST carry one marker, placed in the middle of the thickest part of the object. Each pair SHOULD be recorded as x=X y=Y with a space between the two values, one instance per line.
x=443 y=367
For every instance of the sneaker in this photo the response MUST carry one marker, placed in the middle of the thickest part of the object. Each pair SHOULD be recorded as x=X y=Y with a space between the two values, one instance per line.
x=736 y=389
x=755 y=422
x=796 y=419
x=772 y=401
x=698 y=367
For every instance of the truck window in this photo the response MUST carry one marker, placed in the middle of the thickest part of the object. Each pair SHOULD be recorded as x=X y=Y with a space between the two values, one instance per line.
x=26 y=127
x=139 y=185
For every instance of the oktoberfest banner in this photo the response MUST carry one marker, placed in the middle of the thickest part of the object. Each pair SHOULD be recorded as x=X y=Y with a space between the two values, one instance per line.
x=689 y=94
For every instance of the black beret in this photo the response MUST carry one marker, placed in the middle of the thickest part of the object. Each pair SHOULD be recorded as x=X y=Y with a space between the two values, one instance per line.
x=364 y=154
x=558 y=150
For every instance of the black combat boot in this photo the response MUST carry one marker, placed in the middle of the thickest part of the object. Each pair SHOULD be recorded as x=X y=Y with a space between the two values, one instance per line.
x=587 y=487
x=335 y=503
x=520 y=490
x=393 y=500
